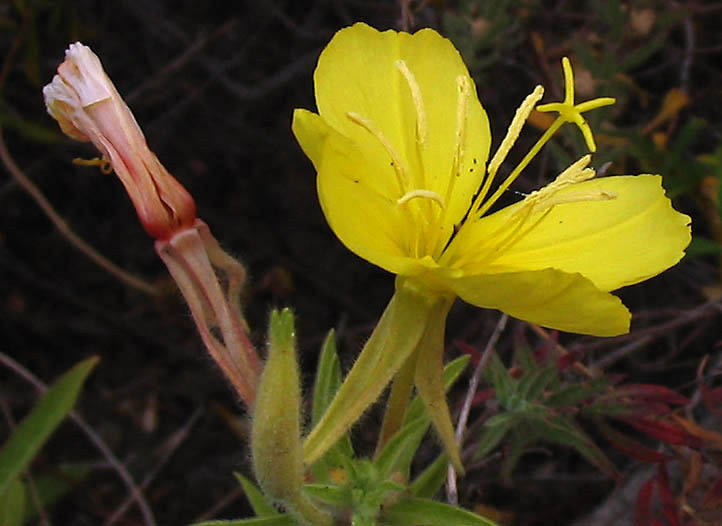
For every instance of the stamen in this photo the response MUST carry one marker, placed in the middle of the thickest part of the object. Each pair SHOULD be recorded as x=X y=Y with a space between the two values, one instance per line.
x=598 y=195
x=398 y=165
x=425 y=194
x=462 y=107
x=512 y=134
x=576 y=173
x=421 y=128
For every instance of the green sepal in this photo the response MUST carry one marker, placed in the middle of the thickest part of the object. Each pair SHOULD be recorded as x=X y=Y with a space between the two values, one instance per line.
x=255 y=498
x=34 y=430
x=394 y=339
x=431 y=513
x=429 y=380
x=452 y=372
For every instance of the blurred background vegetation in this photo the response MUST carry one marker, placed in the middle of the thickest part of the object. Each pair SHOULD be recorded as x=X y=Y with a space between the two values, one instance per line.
x=214 y=85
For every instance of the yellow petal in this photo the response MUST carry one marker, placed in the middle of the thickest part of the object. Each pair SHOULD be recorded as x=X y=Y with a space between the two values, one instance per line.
x=550 y=298
x=359 y=72
x=355 y=205
x=613 y=243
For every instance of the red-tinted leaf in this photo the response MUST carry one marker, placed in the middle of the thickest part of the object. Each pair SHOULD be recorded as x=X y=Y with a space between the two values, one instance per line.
x=712 y=399
x=669 y=502
x=664 y=432
x=652 y=393
x=631 y=447
x=642 y=512
x=566 y=361
x=713 y=496
x=482 y=396
x=472 y=351
x=636 y=450
x=648 y=410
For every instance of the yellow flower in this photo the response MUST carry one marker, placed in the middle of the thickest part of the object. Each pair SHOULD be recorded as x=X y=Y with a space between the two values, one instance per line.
x=401 y=147
x=401 y=144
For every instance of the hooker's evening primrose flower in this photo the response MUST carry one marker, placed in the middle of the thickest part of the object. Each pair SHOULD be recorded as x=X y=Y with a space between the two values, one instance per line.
x=401 y=147
x=84 y=101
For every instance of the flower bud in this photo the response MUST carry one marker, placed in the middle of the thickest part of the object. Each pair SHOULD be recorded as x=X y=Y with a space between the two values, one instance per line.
x=84 y=101
x=276 y=431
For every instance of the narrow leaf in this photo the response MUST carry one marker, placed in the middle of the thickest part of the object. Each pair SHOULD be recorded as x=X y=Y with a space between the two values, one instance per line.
x=336 y=496
x=429 y=482
x=328 y=380
x=255 y=498
x=281 y=520
x=425 y=512
x=12 y=504
x=495 y=429
x=532 y=385
x=400 y=450
x=34 y=430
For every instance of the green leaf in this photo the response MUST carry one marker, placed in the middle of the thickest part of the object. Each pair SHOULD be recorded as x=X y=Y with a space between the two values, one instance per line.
x=281 y=520
x=701 y=246
x=12 y=504
x=425 y=512
x=431 y=479
x=400 y=450
x=34 y=430
x=495 y=429
x=563 y=430
x=532 y=385
x=504 y=385
x=521 y=437
x=328 y=380
x=576 y=393
x=50 y=487
x=336 y=496
x=525 y=358
x=255 y=498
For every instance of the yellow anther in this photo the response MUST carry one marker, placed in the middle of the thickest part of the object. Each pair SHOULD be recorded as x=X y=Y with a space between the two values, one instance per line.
x=421 y=126
x=462 y=108
x=421 y=194
x=578 y=172
x=104 y=164
x=512 y=133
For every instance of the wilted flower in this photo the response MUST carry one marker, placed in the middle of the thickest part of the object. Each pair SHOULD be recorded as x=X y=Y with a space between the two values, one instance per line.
x=87 y=107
